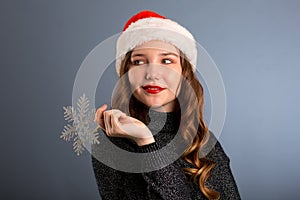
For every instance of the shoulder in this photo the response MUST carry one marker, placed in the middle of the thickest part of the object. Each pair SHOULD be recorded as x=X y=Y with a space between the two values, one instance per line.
x=221 y=178
x=213 y=150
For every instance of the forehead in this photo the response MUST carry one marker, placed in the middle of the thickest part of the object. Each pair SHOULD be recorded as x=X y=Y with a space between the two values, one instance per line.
x=157 y=45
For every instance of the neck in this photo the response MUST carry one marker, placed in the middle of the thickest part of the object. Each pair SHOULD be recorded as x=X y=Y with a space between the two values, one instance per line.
x=143 y=112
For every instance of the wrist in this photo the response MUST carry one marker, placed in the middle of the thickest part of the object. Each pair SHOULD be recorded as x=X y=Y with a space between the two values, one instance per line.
x=144 y=141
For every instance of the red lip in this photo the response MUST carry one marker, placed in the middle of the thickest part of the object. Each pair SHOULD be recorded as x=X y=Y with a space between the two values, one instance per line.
x=153 y=89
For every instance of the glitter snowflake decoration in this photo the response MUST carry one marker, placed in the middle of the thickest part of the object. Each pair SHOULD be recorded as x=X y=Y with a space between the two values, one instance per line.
x=81 y=128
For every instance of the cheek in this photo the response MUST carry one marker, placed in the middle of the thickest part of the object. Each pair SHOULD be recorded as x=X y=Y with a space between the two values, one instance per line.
x=173 y=81
x=135 y=77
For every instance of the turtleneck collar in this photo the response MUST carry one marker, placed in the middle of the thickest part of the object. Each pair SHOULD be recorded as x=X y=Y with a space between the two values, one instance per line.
x=162 y=121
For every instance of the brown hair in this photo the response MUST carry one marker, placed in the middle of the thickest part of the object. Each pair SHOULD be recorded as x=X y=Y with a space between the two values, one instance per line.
x=194 y=129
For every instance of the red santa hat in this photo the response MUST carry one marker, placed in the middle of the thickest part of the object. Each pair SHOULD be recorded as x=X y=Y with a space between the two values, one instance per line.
x=146 y=26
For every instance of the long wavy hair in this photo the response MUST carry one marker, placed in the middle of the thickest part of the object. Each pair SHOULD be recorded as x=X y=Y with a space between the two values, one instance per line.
x=190 y=112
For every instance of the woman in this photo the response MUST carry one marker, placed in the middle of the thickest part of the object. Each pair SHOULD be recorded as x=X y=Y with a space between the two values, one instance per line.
x=157 y=99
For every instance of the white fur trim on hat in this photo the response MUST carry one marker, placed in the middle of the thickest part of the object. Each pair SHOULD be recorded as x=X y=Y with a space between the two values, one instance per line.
x=154 y=28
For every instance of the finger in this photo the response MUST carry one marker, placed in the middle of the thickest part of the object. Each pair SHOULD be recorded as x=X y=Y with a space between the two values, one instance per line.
x=99 y=116
x=114 y=115
x=124 y=119
x=99 y=112
x=107 y=123
x=113 y=123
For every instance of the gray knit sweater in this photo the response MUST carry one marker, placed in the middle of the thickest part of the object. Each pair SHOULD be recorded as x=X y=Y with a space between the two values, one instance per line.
x=168 y=183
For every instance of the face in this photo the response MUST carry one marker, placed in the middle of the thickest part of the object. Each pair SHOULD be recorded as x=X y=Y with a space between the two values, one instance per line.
x=155 y=75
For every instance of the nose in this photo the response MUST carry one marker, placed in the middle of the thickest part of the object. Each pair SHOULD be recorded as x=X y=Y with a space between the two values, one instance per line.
x=153 y=72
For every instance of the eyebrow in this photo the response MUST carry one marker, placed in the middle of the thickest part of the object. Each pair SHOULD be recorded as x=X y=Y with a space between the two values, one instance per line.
x=169 y=53
x=161 y=54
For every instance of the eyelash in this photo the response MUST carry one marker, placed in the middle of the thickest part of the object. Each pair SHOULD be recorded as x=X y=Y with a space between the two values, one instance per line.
x=171 y=61
x=135 y=62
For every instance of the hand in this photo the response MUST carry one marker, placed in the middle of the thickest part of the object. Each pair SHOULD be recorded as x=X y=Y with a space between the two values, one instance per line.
x=117 y=124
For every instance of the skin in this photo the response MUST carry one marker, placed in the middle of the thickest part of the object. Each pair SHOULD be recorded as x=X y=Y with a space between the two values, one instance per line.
x=154 y=64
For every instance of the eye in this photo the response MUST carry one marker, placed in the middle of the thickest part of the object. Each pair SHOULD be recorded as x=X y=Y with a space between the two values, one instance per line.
x=166 y=61
x=138 y=62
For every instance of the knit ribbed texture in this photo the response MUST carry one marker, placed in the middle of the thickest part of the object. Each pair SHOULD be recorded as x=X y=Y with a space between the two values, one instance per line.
x=169 y=182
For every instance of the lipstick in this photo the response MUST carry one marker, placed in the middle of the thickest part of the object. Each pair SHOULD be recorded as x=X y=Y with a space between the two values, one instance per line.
x=153 y=89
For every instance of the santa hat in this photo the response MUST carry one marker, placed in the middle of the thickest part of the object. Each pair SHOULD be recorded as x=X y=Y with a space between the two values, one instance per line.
x=146 y=26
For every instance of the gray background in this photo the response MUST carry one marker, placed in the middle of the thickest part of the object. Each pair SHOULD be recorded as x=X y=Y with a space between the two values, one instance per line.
x=254 y=43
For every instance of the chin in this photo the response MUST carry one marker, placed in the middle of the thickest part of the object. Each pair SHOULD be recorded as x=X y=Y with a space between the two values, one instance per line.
x=153 y=105
x=161 y=107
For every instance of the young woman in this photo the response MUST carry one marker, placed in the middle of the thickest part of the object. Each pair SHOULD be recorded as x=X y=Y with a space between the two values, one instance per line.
x=159 y=100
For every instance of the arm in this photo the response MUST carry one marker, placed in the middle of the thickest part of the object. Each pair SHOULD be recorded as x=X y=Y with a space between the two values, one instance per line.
x=117 y=124
x=222 y=178
x=167 y=183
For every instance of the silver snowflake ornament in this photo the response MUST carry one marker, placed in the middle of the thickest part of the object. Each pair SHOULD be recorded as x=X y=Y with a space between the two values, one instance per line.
x=81 y=128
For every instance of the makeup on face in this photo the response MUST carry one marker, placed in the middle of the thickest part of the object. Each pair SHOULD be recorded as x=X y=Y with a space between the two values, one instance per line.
x=155 y=74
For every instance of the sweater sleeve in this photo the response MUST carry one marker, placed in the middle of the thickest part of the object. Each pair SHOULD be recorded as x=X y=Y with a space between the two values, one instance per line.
x=166 y=183
x=222 y=178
